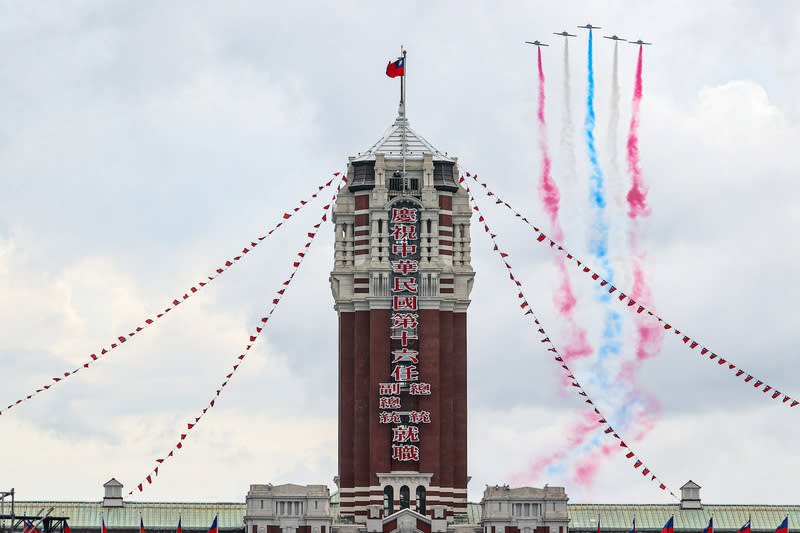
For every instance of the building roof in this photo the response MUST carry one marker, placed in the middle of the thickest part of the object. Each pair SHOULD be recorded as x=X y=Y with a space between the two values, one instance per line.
x=582 y=516
x=391 y=144
x=87 y=515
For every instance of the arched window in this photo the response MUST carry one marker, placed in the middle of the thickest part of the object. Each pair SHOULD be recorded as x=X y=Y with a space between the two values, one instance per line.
x=421 y=500
x=405 y=496
x=388 y=500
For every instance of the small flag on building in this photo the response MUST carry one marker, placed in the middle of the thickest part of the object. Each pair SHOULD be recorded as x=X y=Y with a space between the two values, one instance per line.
x=710 y=527
x=213 y=528
x=67 y=529
x=633 y=527
x=745 y=528
x=103 y=525
x=784 y=527
x=141 y=524
x=669 y=527
x=179 y=526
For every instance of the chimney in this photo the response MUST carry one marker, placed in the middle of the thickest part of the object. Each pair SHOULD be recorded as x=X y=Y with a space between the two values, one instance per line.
x=690 y=496
x=113 y=493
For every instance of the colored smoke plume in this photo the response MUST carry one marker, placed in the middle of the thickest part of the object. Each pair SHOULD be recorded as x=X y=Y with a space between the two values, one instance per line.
x=637 y=195
x=548 y=190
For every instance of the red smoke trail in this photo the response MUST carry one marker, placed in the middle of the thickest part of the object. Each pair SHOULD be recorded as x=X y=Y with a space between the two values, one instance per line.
x=548 y=190
x=573 y=437
x=564 y=296
x=649 y=337
x=637 y=195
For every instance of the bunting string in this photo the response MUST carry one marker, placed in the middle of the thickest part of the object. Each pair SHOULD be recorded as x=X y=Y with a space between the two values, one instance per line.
x=107 y=350
x=639 y=307
x=301 y=255
x=551 y=347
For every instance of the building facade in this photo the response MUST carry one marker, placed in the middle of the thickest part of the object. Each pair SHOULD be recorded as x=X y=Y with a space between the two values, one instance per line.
x=401 y=282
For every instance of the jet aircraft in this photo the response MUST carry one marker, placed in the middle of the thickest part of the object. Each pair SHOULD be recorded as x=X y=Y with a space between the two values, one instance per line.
x=639 y=42
x=614 y=38
x=564 y=34
x=537 y=43
x=589 y=27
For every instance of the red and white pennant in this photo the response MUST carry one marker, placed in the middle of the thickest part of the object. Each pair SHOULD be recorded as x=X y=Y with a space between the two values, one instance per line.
x=104 y=351
x=148 y=479
x=633 y=305
x=528 y=311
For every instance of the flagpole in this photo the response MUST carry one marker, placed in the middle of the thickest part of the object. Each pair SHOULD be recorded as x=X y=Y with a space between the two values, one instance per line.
x=404 y=120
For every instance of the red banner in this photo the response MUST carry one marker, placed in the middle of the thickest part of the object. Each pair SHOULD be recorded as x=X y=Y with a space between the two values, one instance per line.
x=174 y=303
x=633 y=305
x=190 y=426
x=528 y=311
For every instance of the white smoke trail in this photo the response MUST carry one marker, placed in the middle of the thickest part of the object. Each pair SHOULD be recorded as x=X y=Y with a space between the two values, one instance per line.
x=615 y=183
x=571 y=213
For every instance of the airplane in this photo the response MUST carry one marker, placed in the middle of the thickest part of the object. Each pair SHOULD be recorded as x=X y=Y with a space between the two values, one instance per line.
x=537 y=43
x=614 y=38
x=564 y=34
x=589 y=27
x=639 y=42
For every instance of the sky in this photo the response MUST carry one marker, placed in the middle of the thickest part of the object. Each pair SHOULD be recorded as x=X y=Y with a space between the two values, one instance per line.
x=145 y=144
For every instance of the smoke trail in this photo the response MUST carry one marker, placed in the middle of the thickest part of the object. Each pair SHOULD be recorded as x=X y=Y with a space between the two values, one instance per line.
x=567 y=149
x=563 y=296
x=649 y=336
x=610 y=343
x=637 y=195
x=548 y=190
x=614 y=185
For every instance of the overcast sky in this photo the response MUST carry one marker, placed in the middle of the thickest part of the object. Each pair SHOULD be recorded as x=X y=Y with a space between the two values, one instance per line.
x=143 y=144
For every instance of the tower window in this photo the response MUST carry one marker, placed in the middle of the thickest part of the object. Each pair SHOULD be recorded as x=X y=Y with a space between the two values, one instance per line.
x=405 y=497
x=388 y=500
x=421 y=500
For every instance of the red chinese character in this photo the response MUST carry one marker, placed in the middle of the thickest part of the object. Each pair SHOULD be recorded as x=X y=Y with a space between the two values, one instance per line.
x=404 y=249
x=389 y=389
x=405 y=356
x=419 y=417
x=420 y=389
x=400 y=303
x=405 y=284
x=405 y=452
x=405 y=266
x=405 y=434
x=405 y=320
x=401 y=232
x=389 y=402
x=389 y=417
x=404 y=214
x=404 y=337
x=404 y=373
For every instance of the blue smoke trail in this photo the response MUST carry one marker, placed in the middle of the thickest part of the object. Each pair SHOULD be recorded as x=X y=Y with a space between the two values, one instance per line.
x=610 y=344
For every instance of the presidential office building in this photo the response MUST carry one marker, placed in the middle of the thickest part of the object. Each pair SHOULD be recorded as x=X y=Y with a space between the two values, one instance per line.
x=401 y=281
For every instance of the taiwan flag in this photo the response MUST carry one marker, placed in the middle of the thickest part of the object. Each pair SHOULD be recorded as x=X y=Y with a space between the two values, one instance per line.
x=179 y=530
x=633 y=527
x=784 y=527
x=668 y=527
x=67 y=529
x=745 y=528
x=141 y=524
x=213 y=528
x=710 y=527
x=396 y=68
x=103 y=525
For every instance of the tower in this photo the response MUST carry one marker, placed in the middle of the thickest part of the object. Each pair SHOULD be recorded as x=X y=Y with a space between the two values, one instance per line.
x=401 y=282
